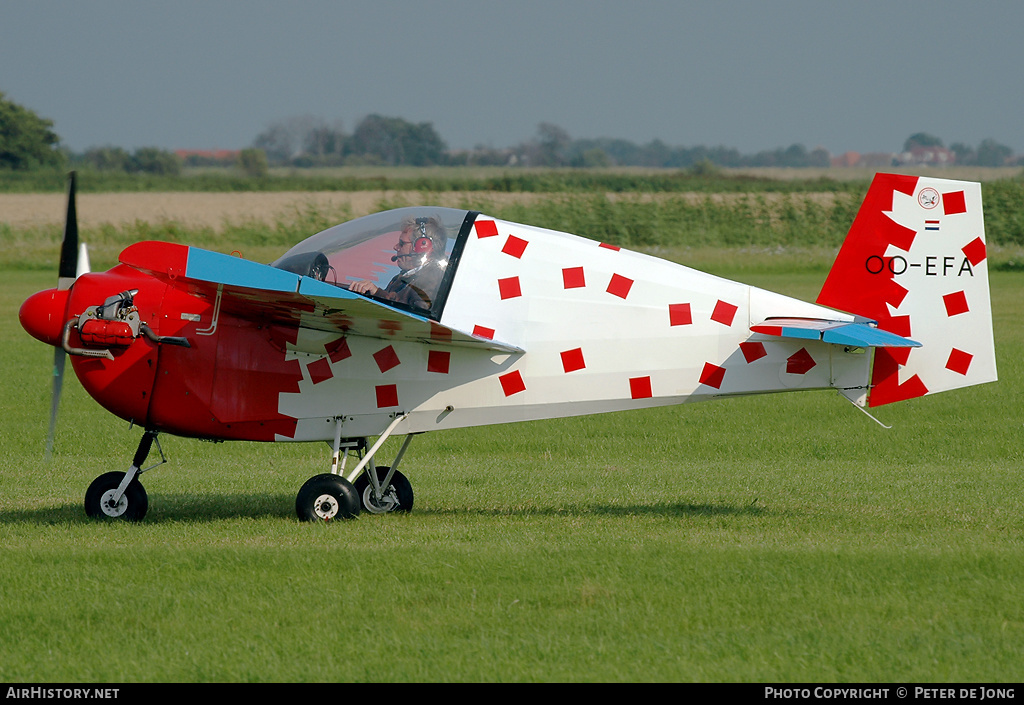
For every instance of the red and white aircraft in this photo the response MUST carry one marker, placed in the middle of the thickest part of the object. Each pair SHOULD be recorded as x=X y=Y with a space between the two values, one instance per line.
x=423 y=319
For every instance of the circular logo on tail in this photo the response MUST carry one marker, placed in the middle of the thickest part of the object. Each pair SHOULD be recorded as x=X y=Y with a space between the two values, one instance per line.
x=928 y=198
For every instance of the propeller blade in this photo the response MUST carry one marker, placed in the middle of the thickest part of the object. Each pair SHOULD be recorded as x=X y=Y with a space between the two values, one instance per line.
x=83 y=261
x=59 y=357
x=71 y=265
x=69 y=247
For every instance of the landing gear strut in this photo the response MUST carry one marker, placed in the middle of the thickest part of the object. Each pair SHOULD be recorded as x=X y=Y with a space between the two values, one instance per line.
x=120 y=495
x=377 y=489
x=395 y=494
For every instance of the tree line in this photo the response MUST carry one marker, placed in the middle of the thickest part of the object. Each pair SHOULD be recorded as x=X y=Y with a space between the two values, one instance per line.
x=28 y=141
x=391 y=141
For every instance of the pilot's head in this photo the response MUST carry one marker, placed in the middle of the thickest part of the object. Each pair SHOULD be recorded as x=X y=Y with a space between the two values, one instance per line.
x=422 y=240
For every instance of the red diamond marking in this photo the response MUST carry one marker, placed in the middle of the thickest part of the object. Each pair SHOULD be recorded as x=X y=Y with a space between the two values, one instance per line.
x=512 y=383
x=320 y=370
x=386 y=359
x=482 y=332
x=486 y=228
x=974 y=251
x=509 y=288
x=619 y=286
x=752 y=351
x=387 y=395
x=953 y=203
x=572 y=360
x=439 y=361
x=724 y=313
x=956 y=303
x=679 y=315
x=572 y=278
x=800 y=362
x=614 y=248
x=339 y=351
x=959 y=361
x=514 y=246
x=712 y=375
x=640 y=387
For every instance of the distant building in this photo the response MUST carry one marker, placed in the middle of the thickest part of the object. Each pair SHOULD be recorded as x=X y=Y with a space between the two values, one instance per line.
x=845 y=159
x=207 y=157
x=869 y=160
x=927 y=156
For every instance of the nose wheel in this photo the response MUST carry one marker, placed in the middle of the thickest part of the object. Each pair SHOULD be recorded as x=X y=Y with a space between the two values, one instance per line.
x=120 y=495
x=102 y=500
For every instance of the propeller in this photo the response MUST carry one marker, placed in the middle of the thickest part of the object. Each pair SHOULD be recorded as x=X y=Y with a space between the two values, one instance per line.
x=69 y=246
x=71 y=266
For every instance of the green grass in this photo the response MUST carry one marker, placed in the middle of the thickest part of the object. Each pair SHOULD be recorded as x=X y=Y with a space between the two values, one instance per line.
x=536 y=180
x=788 y=231
x=766 y=539
x=502 y=179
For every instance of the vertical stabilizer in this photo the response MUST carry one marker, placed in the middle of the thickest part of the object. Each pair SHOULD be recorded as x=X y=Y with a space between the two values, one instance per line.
x=915 y=262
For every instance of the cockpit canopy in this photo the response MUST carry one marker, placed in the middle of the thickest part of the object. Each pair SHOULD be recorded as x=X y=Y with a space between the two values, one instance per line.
x=413 y=277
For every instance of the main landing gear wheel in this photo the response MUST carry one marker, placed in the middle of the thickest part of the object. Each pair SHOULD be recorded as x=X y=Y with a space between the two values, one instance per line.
x=397 y=496
x=99 y=498
x=327 y=497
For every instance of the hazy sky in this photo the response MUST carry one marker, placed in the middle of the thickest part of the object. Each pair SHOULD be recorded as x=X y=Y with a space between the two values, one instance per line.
x=751 y=74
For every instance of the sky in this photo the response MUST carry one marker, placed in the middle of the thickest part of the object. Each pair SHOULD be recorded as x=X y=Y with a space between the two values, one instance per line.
x=748 y=74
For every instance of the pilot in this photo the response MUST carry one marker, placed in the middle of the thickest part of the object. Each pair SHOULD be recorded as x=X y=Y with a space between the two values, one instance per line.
x=420 y=255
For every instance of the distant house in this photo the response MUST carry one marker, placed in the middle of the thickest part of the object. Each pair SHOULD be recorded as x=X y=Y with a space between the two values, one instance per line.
x=877 y=159
x=927 y=156
x=869 y=160
x=207 y=157
x=845 y=159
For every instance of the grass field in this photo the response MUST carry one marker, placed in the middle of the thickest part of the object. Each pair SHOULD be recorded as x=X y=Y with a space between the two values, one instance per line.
x=773 y=539
x=773 y=230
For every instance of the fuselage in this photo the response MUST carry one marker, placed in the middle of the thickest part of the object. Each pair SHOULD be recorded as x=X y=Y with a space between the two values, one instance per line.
x=583 y=328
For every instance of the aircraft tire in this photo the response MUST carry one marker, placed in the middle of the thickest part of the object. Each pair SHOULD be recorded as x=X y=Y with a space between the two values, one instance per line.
x=327 y=497
x=133 y=505
x=401 y=486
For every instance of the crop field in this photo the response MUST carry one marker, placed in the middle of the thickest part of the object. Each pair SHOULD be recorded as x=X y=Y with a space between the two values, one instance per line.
x=784 y=538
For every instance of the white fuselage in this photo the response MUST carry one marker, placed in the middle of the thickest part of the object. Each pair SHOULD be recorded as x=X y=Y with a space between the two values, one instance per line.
x=599 y=329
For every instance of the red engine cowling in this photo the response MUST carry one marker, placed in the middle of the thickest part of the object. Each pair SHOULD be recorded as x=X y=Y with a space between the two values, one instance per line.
x=123 y=385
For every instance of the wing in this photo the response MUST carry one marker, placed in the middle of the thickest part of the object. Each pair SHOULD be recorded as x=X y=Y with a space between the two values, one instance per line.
x=856 y=334
x=261 y=292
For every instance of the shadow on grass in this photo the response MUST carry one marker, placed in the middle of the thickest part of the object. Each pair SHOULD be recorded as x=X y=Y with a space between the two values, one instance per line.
x=211 y=508
x=170 y=508
x=662 y=509
x=686 y=510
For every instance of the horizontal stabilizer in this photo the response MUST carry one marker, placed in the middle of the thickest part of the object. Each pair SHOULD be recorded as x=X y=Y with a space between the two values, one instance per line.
x=855 y=334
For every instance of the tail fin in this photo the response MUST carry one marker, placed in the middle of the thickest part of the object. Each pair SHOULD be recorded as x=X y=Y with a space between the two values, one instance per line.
x=915 y=262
